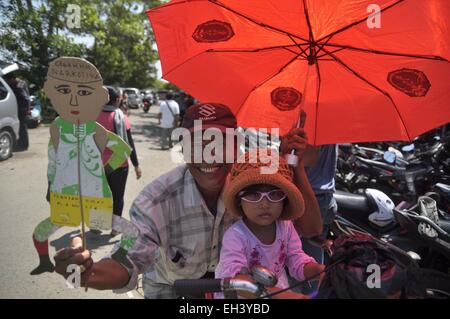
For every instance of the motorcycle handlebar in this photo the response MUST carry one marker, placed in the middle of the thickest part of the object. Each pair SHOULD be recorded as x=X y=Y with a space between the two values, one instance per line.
x=185 y=287
x=197 y=286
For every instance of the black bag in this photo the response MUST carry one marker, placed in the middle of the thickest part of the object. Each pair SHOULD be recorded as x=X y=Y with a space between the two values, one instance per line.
x=346 y=277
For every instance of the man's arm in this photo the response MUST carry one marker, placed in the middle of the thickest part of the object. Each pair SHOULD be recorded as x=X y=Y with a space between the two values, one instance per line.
x=310 y=224
x=177 y=116
x=105 y=274
x=161 y=105
x=311 y=155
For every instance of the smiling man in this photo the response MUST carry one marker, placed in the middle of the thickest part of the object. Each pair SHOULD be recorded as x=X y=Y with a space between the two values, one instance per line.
x=181 y=218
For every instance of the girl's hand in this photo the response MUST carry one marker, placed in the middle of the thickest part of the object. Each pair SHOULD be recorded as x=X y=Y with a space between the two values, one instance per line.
x=312 y=270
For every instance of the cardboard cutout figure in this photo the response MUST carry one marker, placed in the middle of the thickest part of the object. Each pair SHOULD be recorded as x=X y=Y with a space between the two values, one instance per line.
x=79 y=190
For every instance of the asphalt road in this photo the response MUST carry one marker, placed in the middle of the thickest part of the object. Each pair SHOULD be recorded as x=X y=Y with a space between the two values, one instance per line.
x=23 y=184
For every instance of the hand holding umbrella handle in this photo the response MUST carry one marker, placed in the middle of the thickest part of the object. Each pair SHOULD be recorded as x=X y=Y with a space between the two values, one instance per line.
x=291 y=158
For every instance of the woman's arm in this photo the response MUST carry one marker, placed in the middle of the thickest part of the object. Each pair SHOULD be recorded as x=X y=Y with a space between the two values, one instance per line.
x=133 y=155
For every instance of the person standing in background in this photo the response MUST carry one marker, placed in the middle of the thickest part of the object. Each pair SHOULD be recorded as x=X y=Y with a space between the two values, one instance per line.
x=113 y=119
x=20 y=89
x=168 y=118
x=321 y=164
x=123 y=104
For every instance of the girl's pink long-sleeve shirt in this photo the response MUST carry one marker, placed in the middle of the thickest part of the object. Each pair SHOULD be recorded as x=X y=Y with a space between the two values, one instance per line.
x=241 y=248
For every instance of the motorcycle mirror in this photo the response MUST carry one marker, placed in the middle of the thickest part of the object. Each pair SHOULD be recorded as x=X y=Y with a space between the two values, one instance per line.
x=264 y=276
x=389 y=157
x=408 y=148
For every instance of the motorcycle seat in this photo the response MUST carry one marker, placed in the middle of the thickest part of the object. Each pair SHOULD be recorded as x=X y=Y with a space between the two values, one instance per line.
x=353 y=202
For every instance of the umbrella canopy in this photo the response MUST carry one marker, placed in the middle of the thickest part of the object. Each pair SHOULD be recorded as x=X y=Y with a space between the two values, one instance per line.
x=267 y=59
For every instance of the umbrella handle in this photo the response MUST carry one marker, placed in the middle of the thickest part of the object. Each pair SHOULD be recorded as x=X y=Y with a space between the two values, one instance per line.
x=291 y=158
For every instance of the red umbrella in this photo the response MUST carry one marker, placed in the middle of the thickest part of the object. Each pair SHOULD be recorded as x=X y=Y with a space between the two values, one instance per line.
x=266 y=59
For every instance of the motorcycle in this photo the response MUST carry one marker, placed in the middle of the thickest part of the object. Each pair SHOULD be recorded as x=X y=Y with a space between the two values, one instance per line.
x=401 y=174
x=146 y=105
x=374 y=213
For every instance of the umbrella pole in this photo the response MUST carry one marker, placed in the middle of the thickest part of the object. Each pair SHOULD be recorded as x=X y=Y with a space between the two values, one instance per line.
x=291 y=158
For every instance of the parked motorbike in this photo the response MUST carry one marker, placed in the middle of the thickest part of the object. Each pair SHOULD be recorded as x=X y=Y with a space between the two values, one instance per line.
x=374 y=213
x=403 y=174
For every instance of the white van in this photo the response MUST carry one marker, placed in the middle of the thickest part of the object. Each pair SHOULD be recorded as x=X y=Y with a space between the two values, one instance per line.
x=9 y=122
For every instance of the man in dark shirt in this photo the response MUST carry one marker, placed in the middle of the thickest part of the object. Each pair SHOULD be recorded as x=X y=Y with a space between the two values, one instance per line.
x=20 y=89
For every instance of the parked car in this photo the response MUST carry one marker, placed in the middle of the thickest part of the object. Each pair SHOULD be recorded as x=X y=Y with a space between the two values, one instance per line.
x=134 y=98
x=34 y=116
x=9 y=122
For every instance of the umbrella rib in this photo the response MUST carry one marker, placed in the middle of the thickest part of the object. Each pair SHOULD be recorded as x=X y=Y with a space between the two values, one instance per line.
x=325 y=54
x=218 y=3
x=359 y=21
x=299 y=46
x=267 y=80
x=253 y=50
x=292 y=51
x=180 y=64
x=305 y=9
x=340 y=62
x=417 y=56
x=214 y=51
x=317 y=101
x=323 y=44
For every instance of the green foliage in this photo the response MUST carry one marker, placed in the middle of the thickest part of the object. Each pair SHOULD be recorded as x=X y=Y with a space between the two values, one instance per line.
x=163 y=85
x=119 y=39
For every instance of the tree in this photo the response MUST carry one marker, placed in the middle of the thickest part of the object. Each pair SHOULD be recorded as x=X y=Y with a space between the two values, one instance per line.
x=34 y=32
x=129 y=64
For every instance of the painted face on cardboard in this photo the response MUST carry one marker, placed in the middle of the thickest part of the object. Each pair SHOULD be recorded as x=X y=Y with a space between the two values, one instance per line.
x=75 y=88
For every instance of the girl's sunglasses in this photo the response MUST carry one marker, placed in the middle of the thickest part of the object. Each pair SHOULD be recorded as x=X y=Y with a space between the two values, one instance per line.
x=274 y=196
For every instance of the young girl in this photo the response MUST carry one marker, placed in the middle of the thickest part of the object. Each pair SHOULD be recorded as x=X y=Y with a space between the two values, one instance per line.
x=264 y=235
